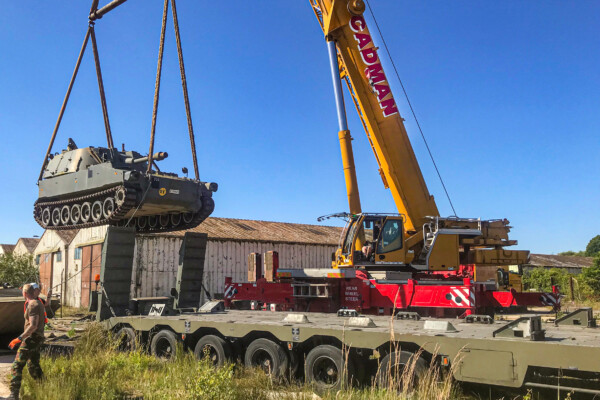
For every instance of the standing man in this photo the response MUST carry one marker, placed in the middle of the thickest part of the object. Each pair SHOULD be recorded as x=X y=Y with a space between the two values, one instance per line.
x=31 y=341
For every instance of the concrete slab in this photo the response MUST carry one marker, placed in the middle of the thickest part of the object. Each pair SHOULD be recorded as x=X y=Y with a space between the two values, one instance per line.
x=5 y=363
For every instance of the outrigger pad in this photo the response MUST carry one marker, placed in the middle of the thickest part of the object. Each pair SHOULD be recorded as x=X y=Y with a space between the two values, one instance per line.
x=115 y=273
x=581 y=317
x=528 y=328
x=190 y=272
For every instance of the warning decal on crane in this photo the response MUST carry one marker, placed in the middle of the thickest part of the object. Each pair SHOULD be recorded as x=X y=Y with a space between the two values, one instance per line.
x=373 y=69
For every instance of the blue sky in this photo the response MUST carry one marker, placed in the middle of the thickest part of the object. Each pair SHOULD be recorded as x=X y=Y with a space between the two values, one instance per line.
x=508 y=95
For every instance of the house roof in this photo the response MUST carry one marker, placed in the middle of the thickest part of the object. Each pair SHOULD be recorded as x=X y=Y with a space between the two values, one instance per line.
x=551 y=260
x=67 y=235
x=29 y=243
x=8 y=248
x=265 y=231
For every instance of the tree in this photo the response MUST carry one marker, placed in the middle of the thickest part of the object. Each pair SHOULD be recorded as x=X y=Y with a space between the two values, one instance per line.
x=590 y=277
x=17 y=270
x=572 y=253
x=593 y=247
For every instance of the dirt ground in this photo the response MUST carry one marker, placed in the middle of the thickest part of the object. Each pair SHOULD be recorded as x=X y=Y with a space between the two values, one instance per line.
x=6 y=360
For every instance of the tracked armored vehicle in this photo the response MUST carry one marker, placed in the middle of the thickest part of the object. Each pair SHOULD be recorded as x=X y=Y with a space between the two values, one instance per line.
x=83 y=187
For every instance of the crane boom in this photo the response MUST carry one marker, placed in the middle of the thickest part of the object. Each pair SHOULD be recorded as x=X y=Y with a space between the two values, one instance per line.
x=361 y=68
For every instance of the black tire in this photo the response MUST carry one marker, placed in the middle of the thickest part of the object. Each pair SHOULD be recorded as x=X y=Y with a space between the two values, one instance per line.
x=400 y=370
x=217 y=349
x=164 y=344
x=327 y=369
x=267 y=355
x=126 y=339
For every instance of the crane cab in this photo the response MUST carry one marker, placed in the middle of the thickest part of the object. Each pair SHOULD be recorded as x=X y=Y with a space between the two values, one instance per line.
x=371 y=240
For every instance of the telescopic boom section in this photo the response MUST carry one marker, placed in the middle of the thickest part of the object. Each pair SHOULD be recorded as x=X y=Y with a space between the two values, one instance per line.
x=343 y=23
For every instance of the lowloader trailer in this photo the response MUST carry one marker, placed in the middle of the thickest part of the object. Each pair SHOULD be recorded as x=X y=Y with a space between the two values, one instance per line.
x=331 y=350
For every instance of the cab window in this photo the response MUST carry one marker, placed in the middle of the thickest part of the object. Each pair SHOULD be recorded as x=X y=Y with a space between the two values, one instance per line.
x=390 y=238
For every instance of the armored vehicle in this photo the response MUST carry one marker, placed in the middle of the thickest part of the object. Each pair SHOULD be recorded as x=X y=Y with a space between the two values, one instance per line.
x=83 y=187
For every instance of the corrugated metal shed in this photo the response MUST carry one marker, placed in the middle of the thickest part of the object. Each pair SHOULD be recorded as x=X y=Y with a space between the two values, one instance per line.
x=157 y=256
x=156 y=261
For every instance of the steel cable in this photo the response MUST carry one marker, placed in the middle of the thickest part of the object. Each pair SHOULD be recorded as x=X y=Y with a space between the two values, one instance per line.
x=411 y=108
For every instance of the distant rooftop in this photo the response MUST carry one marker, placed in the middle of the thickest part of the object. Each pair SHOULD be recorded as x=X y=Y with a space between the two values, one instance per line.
x=7 y=248
x=265 y=231
x=29 y=243
x=551 y=260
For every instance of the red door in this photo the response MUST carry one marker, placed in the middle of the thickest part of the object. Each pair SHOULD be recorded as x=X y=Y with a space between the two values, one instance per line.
x=46 y=272
x=91 y=261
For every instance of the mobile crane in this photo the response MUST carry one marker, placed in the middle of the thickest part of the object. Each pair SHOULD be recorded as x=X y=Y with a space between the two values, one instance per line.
x=413 y=258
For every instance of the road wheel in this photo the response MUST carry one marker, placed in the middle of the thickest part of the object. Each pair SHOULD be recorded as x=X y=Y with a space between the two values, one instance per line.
x=327 y=369
x=152 y=221
x=46 y=216
x=175 y=219
x=75 y=213
x=126 y=339
x=164 y=344
x=97 y=211
x=400 y=370
x=108 y=207
x=214 y=348
x=56 y=216
x=267 y=355
x=164 y=220
x=188 y=217
x=86 y=212
x=65 y=215
x=141 y=222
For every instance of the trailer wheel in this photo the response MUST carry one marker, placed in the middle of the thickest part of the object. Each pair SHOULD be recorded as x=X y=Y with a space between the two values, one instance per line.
x=400 y=370
x=126 y=339
x=164 y=344
x=267 y=355
x=214 y=348
x=327 y=369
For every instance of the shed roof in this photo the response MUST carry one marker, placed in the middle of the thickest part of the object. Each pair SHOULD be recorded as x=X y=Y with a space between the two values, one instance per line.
x=29 y=243
x=551 y=260
x=67 y=235
x=7 y=248
x=265 y=231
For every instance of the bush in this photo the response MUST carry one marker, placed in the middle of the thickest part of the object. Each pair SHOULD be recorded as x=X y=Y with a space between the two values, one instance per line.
x=540 y=279
x=590 y=279
x=17 y=270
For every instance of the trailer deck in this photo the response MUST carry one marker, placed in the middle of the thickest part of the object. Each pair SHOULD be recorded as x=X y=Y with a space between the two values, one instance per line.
x=502 y=354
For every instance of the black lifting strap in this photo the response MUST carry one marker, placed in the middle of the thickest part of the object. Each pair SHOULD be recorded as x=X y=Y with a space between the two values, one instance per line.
x=183 y=84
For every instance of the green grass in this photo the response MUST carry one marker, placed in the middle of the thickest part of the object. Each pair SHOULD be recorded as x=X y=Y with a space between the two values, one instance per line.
x=97 y=370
